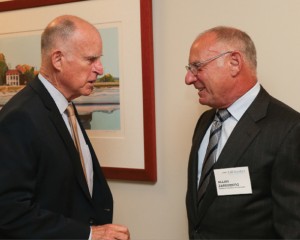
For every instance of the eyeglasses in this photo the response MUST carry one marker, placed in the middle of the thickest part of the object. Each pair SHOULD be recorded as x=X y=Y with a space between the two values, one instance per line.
x=196 y=66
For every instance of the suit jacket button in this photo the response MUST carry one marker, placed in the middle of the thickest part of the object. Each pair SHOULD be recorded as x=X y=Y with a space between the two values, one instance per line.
x=92 y=221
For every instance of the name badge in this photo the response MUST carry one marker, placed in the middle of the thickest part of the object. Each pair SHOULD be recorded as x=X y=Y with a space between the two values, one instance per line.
x=233 y=181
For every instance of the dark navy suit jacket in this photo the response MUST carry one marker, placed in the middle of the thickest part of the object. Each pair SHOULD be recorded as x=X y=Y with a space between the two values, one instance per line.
x=43 y=192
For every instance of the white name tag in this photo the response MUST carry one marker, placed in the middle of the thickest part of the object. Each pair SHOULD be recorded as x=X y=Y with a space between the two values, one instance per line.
x=233 y=181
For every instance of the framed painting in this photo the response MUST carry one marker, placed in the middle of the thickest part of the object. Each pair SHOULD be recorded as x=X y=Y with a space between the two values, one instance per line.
x=122 y=126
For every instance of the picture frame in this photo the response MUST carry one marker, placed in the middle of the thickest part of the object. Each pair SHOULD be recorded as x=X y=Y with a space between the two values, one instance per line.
x=22 y=4
x=147 y=173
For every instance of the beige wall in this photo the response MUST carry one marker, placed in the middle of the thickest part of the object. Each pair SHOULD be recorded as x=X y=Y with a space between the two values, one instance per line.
x=158 y=211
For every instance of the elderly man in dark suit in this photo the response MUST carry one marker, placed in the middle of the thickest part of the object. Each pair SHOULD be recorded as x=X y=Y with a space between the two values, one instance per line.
x=48 y=189
x=244 y=165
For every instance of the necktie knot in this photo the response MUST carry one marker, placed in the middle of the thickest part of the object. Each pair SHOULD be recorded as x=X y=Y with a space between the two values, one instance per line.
x=222 y=115
x=70 y=110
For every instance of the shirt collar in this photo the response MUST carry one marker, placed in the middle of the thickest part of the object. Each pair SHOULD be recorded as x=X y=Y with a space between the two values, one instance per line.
x=239 y=107
x=59 y=99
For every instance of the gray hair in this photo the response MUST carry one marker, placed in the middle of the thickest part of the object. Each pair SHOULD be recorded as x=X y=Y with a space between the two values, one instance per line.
x=55 y=33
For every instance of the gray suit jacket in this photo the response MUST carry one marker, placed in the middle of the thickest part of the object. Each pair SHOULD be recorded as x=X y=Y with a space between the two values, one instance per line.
x=267 y=140
x=43 y=192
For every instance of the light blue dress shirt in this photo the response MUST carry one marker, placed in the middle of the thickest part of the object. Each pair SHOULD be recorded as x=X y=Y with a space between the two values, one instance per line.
x=237 y=109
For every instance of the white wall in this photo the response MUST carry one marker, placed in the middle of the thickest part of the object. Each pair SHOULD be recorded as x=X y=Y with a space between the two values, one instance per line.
x=157 y=211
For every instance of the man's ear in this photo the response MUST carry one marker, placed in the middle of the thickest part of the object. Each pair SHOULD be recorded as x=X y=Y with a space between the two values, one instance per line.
x=56 y=59
x=236 y=63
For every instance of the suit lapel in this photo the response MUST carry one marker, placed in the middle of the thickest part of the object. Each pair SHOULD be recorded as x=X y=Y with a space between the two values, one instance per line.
x=241 y=137
x=98 y=174
x=244 y=132
x=62 y=130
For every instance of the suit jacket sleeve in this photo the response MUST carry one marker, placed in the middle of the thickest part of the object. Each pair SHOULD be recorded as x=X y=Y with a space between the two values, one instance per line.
x=286 y=186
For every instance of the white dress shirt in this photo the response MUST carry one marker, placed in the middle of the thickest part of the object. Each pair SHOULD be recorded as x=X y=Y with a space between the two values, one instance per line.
x=237 y=109
x=62 y=104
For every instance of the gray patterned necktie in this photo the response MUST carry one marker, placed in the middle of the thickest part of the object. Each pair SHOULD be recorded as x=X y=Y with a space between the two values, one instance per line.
x=210 y=156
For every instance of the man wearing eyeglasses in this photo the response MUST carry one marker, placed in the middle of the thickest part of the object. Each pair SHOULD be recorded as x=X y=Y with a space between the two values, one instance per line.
x=244 y=165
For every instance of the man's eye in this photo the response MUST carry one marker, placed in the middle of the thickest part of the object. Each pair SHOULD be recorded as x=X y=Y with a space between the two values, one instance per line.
x=92 y=59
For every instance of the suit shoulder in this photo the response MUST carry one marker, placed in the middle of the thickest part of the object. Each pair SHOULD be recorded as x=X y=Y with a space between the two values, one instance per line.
x=283 y=110
x=22 y=104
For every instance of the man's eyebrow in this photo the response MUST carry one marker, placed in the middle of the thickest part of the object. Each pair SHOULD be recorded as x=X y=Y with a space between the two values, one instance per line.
x=92 y=57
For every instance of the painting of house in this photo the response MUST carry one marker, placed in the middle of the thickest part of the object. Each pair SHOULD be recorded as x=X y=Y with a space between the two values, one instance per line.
x=13 y=77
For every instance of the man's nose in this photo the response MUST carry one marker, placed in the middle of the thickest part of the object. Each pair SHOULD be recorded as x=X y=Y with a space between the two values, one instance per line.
x=190 y=78
x=98 y=67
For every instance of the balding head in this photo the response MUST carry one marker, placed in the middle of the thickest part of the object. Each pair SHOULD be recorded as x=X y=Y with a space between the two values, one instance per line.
x=71 y=51
x=235 y=39
x=59 y=31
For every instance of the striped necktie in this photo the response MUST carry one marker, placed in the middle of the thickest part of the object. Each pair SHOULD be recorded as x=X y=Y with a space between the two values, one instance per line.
x=211 y=151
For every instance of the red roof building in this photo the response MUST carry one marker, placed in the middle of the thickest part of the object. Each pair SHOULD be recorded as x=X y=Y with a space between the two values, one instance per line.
x=13 y=77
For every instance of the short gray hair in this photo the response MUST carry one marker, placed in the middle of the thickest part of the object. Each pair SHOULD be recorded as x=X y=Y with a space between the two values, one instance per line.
x=55 y=33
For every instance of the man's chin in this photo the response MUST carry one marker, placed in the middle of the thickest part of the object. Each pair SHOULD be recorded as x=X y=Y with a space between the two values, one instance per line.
x=205 y=102
x=202 y=101
x=88 y=92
